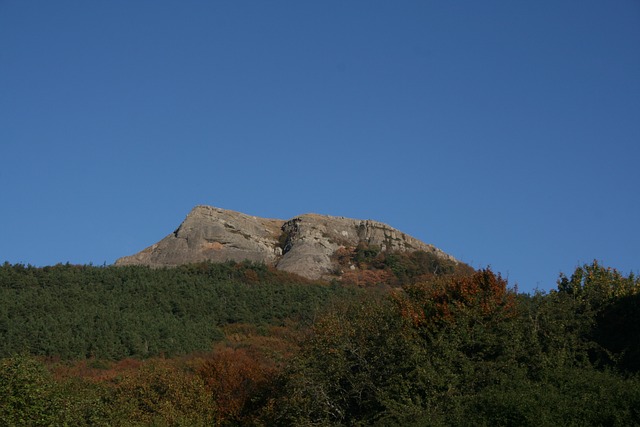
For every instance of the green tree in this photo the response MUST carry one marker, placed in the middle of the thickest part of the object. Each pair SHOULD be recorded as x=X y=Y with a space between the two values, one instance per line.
x=28 y=394
x=607 y=304
x=595 y=286
x=355 y=368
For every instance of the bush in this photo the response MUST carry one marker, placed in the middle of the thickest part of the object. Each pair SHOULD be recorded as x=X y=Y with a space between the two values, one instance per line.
x=28 y=394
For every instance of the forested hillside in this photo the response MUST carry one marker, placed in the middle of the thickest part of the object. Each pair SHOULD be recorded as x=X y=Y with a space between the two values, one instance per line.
x=72 y=312
x=412 y=343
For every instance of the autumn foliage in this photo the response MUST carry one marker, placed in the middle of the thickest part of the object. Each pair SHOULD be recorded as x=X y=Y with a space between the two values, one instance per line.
x=367 y=278
x=482 y=297
x=368 y=265
x=240 y=373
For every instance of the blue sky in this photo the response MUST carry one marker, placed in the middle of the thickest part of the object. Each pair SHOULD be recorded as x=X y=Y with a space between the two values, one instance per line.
x=506 y=133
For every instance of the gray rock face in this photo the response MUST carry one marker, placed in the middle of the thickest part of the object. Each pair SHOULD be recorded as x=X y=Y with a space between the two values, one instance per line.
x=303 y=245
x=212 y=234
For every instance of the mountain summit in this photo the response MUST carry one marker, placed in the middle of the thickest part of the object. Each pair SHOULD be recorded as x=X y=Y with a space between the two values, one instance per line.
x=305 y=245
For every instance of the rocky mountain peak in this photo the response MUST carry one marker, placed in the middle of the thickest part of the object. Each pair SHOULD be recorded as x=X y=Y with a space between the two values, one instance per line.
x=303 y=245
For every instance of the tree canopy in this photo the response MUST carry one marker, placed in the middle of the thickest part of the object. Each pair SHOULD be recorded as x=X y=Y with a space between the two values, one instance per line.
x=242 y=344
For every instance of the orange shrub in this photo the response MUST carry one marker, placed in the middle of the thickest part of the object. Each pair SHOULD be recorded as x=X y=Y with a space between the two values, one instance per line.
x=481 y=297
x=236 y=380
x=367 y=278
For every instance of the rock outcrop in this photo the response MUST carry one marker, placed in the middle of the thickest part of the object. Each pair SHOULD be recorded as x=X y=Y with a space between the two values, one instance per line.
x=303 y=245
x=212 y=234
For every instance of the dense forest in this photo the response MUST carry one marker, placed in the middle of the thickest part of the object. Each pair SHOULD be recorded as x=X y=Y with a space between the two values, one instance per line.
x=117 y=312
x=402 y=340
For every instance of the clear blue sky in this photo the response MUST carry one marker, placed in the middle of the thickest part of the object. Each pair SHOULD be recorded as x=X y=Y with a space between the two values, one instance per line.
x=506 y=133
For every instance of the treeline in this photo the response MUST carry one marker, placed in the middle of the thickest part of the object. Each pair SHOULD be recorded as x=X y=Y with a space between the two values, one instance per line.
x=442 y=350
x=71 y=311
